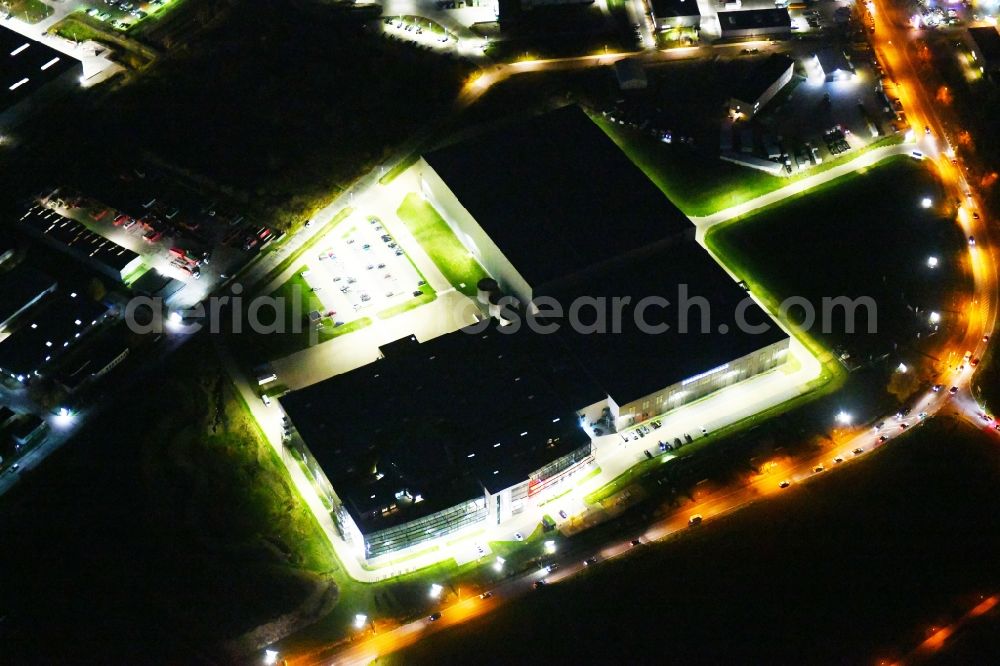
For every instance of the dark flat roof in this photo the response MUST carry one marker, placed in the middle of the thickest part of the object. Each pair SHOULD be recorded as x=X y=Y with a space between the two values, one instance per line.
x=672 y=8
x=77 y=238
x=49 y=333
x=27 y=65
x=19 y=287
x=755 y=18
x=635 y=364
x=443 y=420
x=833 y=58
x=762 y=77
x=556 y=195
x=987 y=40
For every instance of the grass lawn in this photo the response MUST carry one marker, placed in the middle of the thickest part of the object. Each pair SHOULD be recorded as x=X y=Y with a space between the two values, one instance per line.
x=298 y=299
x=876 y=542
x=166 y=531
x=29 y=11
x=869 y=236
x=700 y=184
x=441 y=244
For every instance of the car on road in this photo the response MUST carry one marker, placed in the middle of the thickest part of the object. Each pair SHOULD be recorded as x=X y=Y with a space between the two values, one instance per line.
x=694 y=520
x=883 y=439
x=838 y=460
x=518 y=536
x=937 y=387
x=539 y=583
x=972 y=240
x=818 y=468
x=858 y=451
x=903 y=426
x=434 y=617
x=590 y=560
x=563 y=514
x=784 y=484
x=986 y=338
x=485 y=595
x=974 y=362
x=953 y=390
x=635 y=542
x=15 y=467
x=266 y=399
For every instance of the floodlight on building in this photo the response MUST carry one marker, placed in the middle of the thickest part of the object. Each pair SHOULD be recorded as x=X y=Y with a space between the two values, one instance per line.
x=436 y=590
x=270 y=657
x=359 y=620
x=844 y=418
x=934 y=318
x=498 y=565
x=902 y=368
x=550 y=547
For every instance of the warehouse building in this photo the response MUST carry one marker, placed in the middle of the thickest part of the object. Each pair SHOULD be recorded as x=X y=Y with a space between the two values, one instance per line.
x=759 y=87
x=21 y=288
x=540 y=203
x=75 y=239
x=986 y=48
x=832 y=64
x=31 y=74
x=46 y=335
x=754 y=23
x=458 y=432
x=669 y=14
x=467 y=430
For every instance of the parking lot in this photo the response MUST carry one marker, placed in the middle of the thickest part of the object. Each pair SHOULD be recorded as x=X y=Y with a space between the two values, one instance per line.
x=362 y=270
x=176 y=231
x=123 y=14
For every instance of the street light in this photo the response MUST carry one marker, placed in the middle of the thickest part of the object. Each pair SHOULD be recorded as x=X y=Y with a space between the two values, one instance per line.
x=902 y=369
x=550 y=547
x=926 y=202
x=932 y=262
x=935 y=318
x=498 y=565
x=436 y=591
x=359 y=620
x=270 y=657
x=843 y=418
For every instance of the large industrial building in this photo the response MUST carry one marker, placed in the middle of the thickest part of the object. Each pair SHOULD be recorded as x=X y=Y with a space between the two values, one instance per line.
x=472 y=428
x=669 y=14
x=764 y=82
x=47 y=334
x=31 y=73
x=754 y=23
x=986 y=48
x=21 y=288
x=75 y=239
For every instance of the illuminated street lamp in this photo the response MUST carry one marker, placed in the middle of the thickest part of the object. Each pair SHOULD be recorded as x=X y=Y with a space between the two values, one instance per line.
x=270 y=657
x=935 y=318
x=498 y=565
x=843 y=418
x=359 y=620
x=932 y=262
x=902 y=369
x=926 y=202
x=550 y=547
x=65 y=416
x=436 y=591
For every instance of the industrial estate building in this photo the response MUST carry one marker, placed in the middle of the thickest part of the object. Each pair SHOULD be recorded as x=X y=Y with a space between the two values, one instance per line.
x=47 y=334
x=669 y=14
x=751 y=23
x=761 y=85
x=833 y=64
x=472 y=428
x=986 y=48
x=21 y=288
x=75 y=239
x=31 y=73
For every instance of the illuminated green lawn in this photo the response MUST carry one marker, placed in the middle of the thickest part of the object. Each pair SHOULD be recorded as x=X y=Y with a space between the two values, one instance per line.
x=29 y=11
x=441 y=244
x=701 y=184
